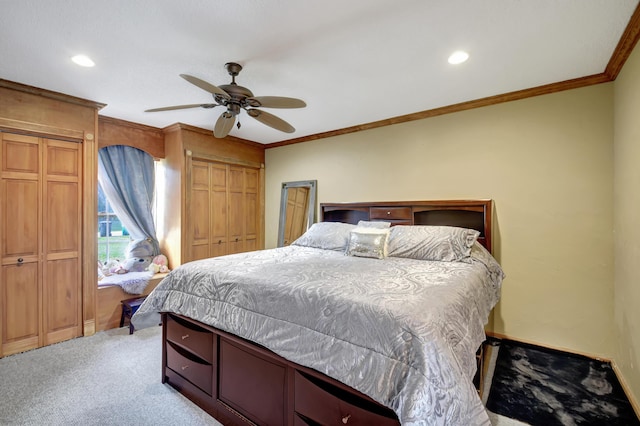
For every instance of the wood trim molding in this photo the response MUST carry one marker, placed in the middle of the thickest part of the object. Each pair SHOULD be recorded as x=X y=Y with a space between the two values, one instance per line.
x=627 y=389
x=463 y=106
x=182 y=126
x=50 y=94
x=52 y=132
x=114 y=131
x=624 y=48
x=546 y=346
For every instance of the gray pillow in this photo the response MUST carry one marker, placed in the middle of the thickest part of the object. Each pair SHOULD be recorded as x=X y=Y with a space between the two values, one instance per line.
x=326 y=235
x=443 y=243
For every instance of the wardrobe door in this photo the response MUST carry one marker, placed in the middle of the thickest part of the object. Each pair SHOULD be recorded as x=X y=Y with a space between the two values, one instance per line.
x=62 y=231
x=219 y=209
x=199 y=211
x=251 y=209
x=236 y=208
x=20 y=236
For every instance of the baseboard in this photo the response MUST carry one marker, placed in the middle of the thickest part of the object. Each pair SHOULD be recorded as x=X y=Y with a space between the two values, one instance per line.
x=626 y=388
x=616 y=370
x=89 y=328
x=546 y=346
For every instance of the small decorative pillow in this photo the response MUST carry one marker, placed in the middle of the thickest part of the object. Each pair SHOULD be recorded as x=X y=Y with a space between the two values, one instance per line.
x=371 y=224
x=326 y=235
x=368 y=242
x=443 y=243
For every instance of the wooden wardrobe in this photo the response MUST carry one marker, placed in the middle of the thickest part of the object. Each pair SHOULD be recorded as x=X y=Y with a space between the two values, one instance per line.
x=48 y=162
x=214 y=195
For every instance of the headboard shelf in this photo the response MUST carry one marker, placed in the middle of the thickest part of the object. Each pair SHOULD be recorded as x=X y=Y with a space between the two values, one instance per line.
x=473 y=214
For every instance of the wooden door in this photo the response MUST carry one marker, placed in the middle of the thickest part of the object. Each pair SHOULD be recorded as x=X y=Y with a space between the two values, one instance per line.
x=198 y=211
x=251 y=209
x=41 y=234
x=21 y=238
x=219 y=209
x=62 y=231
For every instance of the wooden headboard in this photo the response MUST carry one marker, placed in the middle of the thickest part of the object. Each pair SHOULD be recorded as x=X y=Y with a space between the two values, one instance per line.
x=473 y=214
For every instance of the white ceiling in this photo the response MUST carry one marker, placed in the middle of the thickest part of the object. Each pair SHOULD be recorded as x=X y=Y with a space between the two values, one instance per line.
x=353 y=62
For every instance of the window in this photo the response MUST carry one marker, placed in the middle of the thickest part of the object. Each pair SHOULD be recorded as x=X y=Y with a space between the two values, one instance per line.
x=112 y=236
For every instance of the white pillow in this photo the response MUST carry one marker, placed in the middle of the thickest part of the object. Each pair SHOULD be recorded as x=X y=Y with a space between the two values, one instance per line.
x=373 y=224
x=368 y=242
x=443 y=243
x=326 y=235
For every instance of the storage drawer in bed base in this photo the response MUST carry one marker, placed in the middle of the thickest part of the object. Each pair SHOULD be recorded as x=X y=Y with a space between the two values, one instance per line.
x=247 y=363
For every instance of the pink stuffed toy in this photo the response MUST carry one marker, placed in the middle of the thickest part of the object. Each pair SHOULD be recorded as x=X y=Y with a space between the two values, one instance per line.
x=159 y=264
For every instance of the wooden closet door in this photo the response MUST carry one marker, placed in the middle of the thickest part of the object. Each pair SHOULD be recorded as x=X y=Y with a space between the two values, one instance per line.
x=251 y=209
x=199 y=211
x=62 y=226
x=219 y=209
x=21 y=244
x=236 y=209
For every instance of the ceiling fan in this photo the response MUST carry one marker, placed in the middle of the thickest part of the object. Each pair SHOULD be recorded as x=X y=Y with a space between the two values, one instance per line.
x=235 y=98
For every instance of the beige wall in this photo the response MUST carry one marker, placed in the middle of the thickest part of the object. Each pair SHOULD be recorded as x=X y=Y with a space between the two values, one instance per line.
x=547 y=164
x=626 y=229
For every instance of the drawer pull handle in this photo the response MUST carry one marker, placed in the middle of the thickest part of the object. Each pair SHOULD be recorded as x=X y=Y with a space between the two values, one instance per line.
x=345 y=420
x=219 y=241
x=186 y=336
x=184 y=367
x=388 y=213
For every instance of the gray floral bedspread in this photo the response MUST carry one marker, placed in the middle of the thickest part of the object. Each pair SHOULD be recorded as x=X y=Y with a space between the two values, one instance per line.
x=402 y=331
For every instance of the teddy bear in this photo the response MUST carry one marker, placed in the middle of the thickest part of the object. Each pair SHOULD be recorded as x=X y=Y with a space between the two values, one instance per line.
x=138 y=257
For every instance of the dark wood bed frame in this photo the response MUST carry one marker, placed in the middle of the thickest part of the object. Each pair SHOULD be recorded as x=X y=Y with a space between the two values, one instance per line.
x=239 y=382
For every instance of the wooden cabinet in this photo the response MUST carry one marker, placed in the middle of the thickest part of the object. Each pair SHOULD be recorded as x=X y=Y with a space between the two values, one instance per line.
x=41 y=228
x=223 y=203
x=214 y=195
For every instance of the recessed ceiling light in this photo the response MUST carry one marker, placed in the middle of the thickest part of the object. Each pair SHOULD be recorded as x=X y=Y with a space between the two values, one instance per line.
x=458 y=57
x=83 y=60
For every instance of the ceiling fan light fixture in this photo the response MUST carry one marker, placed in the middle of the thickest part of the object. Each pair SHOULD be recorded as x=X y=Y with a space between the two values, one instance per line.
x=458 y=57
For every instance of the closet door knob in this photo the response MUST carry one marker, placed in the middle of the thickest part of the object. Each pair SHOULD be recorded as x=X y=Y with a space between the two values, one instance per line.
x=20 y=260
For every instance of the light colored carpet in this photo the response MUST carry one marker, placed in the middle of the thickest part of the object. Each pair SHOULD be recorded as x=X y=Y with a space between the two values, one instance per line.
x=110 y=378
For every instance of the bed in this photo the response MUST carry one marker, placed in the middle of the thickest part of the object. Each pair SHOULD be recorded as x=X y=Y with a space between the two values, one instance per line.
x=351 y=324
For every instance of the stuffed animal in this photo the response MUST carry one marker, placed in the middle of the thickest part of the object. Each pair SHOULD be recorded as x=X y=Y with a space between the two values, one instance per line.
x=159 y=264
x=134 y=264
x=139 y=254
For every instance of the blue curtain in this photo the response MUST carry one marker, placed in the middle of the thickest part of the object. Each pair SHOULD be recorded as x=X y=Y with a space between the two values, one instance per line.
x=127 y=177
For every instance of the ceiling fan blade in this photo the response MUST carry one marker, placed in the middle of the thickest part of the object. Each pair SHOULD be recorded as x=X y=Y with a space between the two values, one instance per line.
x=224 y=125
x=214 y=90
x=169 y=108
x=271 y=120
x=276 y=102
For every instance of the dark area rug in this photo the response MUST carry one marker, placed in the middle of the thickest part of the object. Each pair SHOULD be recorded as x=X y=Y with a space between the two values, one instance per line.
x=545 y=387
